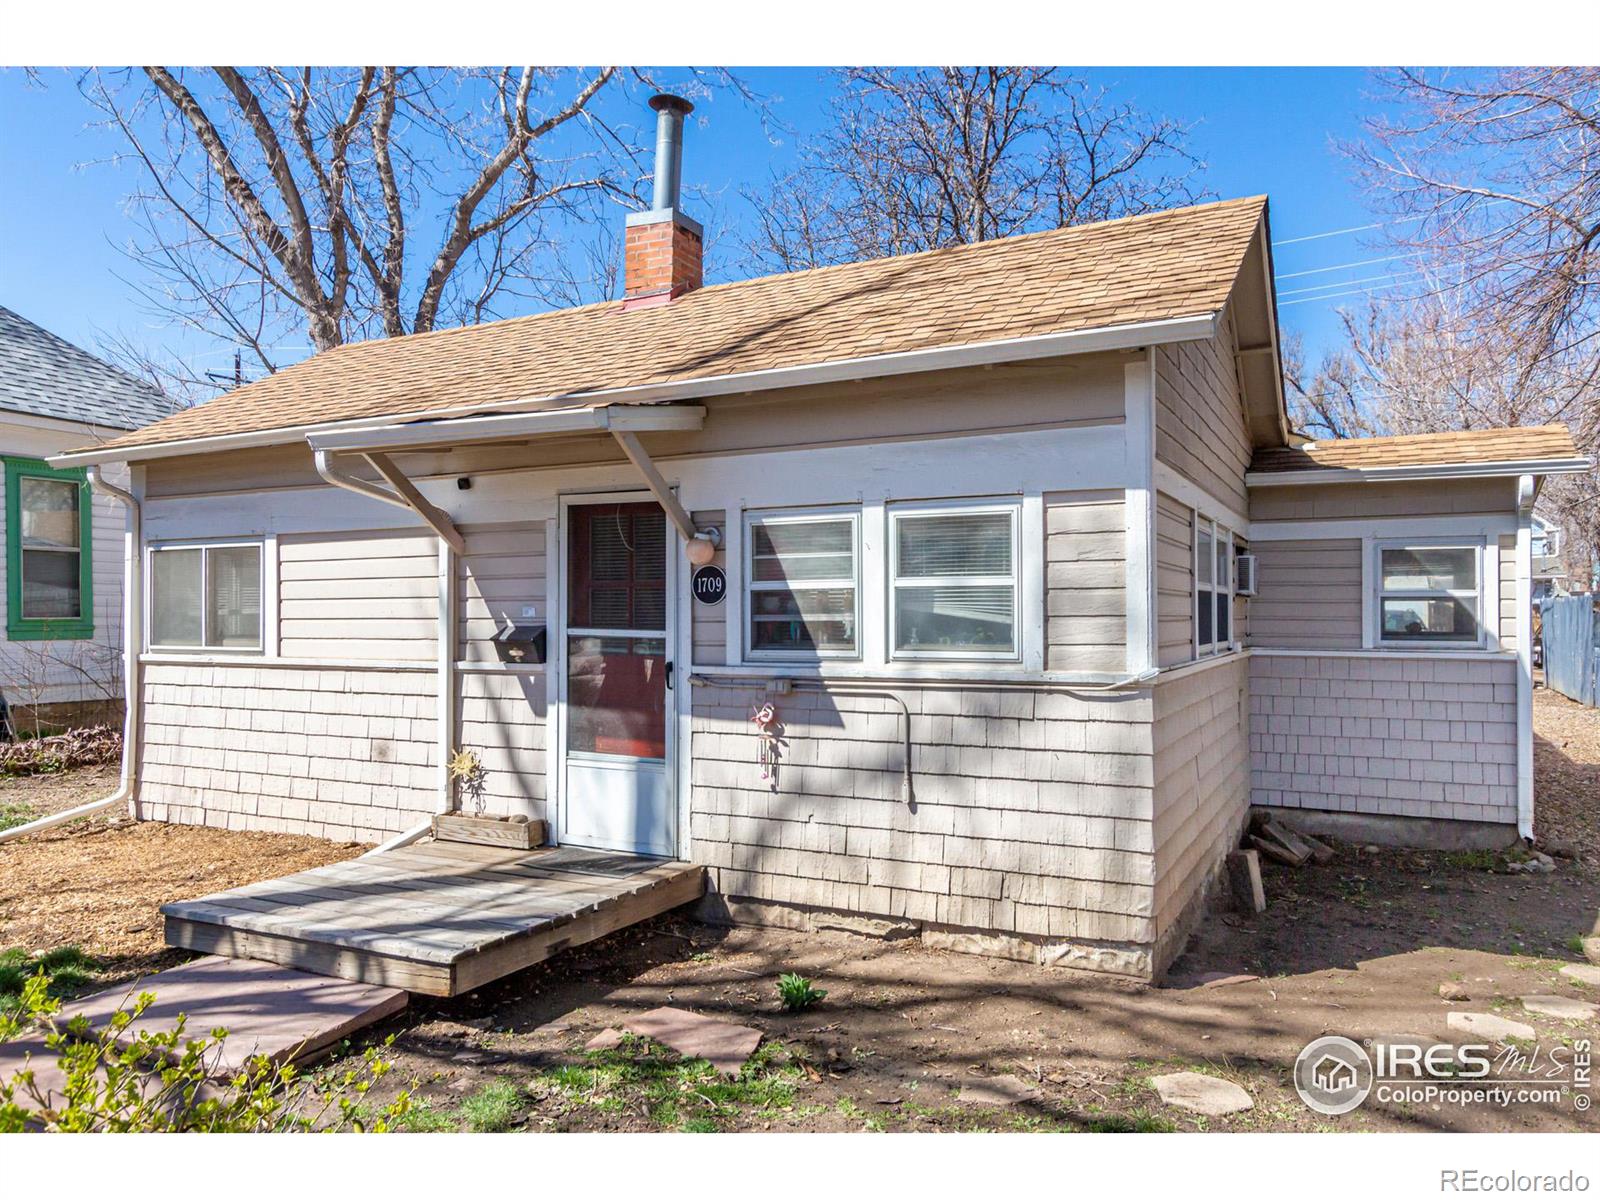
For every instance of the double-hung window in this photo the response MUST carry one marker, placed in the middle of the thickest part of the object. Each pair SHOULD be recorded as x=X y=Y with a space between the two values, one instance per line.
x=206 y=597
x=953 y=582
x=49 y=559
x=1213 y=586
x=804 y=584
x=1428 y=595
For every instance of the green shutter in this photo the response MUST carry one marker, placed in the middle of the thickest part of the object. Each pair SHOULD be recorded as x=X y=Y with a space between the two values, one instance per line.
x=39 y=629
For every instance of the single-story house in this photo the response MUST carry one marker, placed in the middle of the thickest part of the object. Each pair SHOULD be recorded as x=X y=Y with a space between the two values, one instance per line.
x=981 y=590
x=61 y=571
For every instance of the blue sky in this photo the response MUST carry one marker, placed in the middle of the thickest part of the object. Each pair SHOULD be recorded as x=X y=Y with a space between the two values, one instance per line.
x=1258 y=130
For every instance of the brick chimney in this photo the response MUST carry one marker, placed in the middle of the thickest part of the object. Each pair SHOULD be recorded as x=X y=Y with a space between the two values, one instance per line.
x=662 y=248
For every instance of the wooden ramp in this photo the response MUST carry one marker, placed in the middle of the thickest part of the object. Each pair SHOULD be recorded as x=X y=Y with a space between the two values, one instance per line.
x=440 y=918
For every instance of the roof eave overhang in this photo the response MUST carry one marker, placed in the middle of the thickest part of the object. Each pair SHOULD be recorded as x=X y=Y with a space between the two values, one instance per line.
x=389 y=438
x=1483 y=470
x=1050 y=345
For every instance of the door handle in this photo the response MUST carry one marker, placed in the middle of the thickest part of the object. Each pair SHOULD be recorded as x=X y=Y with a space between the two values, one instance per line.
x=669 y=675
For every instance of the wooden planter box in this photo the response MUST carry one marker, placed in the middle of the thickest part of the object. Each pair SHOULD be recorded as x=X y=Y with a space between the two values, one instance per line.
x=489 y=831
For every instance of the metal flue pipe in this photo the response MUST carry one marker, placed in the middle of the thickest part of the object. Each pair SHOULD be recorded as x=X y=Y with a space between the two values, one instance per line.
x=670 y=112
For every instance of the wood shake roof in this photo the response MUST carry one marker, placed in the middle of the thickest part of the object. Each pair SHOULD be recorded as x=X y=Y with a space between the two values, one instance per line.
x=1168 y=265
x=1524 y=444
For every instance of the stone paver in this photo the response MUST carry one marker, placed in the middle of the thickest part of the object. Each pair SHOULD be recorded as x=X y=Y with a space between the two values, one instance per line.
x=724 y=1045
x=1488 y=1025
x=996 y=1089
x=1563 y=1007
x=1205 y=1094
x=1583 y=972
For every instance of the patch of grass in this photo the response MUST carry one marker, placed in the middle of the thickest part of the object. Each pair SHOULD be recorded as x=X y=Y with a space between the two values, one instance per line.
x=796 y=992
x=1130 y=1123
x=1574 y=943
x=67 y=968
x=12 y=815
x=1471 y=860
x=493 y=1108
x=675 y=1092
x=424 y=1118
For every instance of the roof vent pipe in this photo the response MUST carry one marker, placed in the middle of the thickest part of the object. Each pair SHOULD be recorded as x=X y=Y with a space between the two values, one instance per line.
x=670 y=112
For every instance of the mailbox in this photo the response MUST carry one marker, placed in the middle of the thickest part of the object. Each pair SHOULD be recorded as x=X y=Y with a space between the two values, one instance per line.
x=520 y=644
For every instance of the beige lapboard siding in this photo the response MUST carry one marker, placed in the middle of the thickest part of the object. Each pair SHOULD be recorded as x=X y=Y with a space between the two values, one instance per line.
x=1174 y=581
x=1308 y=594
x=1200 y=424
x=708 y=623
x=359 y=596
x=1200 y=737
x=87 y=670
x=1030 y=812
x=1343 y=501
x=1085 y=600
x=499 y=579
x=1410 y=737
x=1508 y=592
x=342 y=754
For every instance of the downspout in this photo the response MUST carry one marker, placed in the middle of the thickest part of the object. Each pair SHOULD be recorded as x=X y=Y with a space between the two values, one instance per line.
x=1526 y=491
x=133 y=684
x=447 y=644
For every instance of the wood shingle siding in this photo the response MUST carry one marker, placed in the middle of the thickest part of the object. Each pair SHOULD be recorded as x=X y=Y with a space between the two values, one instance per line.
x=1508 y=592
x=1032 y=809
x=1174 y=582
x=359 y=596
x=1200 y=423
x=1393 y=736
x=1085 y=601
x=504 y=718
x=709 y=622
x=1309 y=595
x=347 y=755
x=1200 y=737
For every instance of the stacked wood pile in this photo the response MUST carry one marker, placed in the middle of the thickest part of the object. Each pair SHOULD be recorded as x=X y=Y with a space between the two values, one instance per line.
x=1267 y=836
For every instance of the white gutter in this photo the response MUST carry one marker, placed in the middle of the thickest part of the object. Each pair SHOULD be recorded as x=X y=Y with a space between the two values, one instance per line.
x=1324 y=475
x=1526 y=493
x=133 y=686
x=405 y=495
x=1050 y=345
x=388 y=436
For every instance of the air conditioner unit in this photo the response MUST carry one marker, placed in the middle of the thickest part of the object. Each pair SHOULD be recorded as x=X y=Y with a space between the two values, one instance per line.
x=1244 y=575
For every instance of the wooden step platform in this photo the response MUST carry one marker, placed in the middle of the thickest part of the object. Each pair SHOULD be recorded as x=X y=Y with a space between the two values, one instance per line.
x=440 y=918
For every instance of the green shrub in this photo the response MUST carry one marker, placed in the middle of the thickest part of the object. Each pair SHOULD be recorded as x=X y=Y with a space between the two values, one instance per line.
x=796 y=993
x=12 y=815
x=493 y=1108
x=161 y=1082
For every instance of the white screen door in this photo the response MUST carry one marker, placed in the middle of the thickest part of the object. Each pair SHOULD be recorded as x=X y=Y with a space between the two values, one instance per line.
x=616 y=780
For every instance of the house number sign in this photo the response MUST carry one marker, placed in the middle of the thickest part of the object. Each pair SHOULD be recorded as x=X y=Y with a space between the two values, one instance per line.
x=710 y=585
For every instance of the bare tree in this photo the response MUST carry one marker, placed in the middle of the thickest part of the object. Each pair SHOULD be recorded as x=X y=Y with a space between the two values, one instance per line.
x=915 y=159
x=286 y=209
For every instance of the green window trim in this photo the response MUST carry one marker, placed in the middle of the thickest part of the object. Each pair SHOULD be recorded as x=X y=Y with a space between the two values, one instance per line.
x=41 y=629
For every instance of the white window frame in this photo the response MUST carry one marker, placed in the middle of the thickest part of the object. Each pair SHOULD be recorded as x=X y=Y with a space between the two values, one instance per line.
x=266 y=608
x=1375 y=592
x=937 y=508
x=798 y=516
x=1220 y=534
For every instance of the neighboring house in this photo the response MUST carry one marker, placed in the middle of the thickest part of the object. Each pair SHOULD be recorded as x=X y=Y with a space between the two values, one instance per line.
x=1549 y=571
x=971 y=522
x=61 y=573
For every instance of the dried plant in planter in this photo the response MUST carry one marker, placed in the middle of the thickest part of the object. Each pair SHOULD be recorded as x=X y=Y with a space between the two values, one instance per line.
x=466 y=769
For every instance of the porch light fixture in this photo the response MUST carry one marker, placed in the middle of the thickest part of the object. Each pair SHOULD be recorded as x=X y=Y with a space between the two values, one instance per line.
x=702 y=547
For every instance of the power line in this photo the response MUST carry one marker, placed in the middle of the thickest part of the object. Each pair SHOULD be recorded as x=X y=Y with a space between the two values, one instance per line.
x=1337 y=295
x=1365 y=262
x=1322 y=287
x=1315 y=237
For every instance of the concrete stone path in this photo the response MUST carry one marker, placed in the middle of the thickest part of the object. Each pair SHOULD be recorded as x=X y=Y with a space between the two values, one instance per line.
x=266 y=1010
x=1583 y=972
x=724 y=1045
x=1490 y=1026
x=1563 y=1008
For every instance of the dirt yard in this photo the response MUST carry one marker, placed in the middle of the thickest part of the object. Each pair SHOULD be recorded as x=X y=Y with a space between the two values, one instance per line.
x=915 y=1039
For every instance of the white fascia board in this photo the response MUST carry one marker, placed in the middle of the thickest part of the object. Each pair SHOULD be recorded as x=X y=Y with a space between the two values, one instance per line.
x=1049 y=345
x=432 y=435
x=1324 y=475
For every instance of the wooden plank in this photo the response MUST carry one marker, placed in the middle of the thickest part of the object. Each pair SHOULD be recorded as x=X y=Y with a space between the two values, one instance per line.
x=495 y=963
x=361 y=940
x=488 y=831
x=318 y=958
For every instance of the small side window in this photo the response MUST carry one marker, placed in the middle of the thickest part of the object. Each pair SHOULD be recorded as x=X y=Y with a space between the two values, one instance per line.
x=953 y=582
x=1213 y=586
x=802 y=573
x=206 y=597
x=1428 y=595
